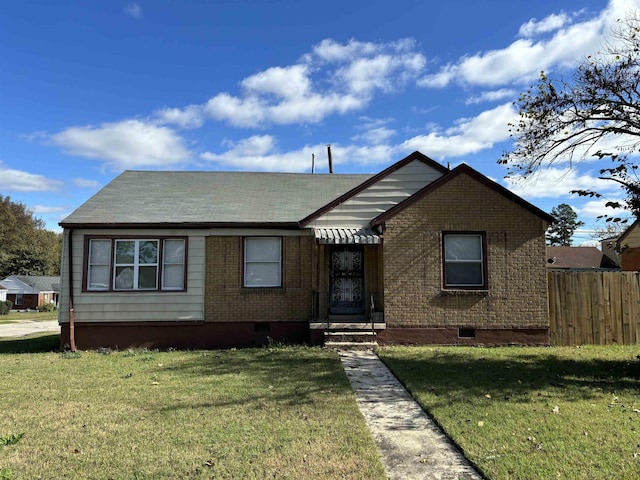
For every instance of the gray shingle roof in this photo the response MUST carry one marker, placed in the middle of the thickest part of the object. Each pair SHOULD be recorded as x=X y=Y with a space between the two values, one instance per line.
x=578 y=258
x=31 y=284
x=152 y=197
x=41 y=283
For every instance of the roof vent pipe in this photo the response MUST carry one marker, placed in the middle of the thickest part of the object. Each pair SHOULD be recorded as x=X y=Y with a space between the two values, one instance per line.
x=313 y=163
x=330 y=158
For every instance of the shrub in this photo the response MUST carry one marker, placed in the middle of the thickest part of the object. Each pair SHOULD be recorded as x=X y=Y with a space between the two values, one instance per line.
x=46 y=307
x=5 y=307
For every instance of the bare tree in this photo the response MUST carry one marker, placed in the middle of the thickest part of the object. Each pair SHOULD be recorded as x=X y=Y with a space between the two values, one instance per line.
x=597 y=113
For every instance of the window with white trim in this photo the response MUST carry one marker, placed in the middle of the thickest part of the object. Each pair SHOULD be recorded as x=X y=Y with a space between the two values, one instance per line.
x=173 y=256
x=99 y=267
x=136 y=264
x=19 y=298
x=263 y=262
x=464 y=265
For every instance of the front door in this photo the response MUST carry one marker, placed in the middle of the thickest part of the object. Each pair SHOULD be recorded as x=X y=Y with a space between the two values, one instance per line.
x=346 y=280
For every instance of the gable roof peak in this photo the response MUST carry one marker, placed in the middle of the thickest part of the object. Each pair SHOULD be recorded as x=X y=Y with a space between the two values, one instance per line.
x=463 y=168
x=412 y=157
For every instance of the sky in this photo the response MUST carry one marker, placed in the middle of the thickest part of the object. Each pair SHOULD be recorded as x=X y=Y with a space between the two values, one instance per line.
x=90 y=89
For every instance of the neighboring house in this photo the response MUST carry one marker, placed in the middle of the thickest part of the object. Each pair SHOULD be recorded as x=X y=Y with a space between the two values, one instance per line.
x=609 y=247
x=420 y=253
x=29 y=292
x=3 y=293
x=579 y=258
x=629 y=247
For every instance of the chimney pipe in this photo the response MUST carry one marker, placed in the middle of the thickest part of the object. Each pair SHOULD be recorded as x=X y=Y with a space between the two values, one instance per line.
x=330 y=158
x=313 y=162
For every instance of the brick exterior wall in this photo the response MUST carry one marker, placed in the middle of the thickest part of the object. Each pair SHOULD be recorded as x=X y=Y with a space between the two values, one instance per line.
x=226 y=300
x=517 y=280
x=631 y=259
x=30 y=301
x=373 y=268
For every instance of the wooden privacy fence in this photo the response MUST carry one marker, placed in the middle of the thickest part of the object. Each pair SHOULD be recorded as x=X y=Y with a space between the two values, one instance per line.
x=601 y=308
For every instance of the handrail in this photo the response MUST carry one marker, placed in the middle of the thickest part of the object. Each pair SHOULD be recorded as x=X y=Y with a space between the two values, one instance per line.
x=372 y=314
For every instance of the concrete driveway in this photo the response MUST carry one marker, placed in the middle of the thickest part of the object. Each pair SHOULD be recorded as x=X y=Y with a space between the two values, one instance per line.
x=28 y=327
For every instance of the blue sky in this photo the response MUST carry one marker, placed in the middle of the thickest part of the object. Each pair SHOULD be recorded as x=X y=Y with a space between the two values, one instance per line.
x=89 y=89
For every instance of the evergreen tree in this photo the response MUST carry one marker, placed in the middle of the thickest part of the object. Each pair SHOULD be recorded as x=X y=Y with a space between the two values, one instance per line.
x=560 y=232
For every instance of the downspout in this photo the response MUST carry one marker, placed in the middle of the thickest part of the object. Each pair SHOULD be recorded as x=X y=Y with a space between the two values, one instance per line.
x=72 y=332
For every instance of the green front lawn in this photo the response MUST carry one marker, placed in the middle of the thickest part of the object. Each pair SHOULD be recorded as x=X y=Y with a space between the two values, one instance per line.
x=32 y=316
x=532 y=413
x=250 y=414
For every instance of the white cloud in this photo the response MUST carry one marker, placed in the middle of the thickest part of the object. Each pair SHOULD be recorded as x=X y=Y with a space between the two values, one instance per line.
x=522 y=60
x=333 y=78
x=133 y=10
x=191 y=116
x=557 y=182
x=328 y=50
x=596 y=208
x=287 y=82
x=261 y=153
x=470 y=135
x=12 y=180
x=374 y=130
x=492 y=96
x=382 y=72
x=375 y=136
x=38 y=209
x=238 y=112
x=125 y=144
x=85 y=183
x=547 y=24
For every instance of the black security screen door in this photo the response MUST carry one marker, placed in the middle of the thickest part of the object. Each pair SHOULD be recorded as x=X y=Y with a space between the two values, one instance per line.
x=346 y=279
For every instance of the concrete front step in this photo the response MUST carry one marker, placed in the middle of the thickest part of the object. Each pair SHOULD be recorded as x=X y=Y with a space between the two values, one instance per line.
x=349 y=336
x=337 y=326
x=350 y=340
x=351 y=345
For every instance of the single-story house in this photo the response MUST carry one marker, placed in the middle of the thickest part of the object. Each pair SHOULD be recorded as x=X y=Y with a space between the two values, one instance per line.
x=579 y=259
x=629 y=247
x=30 y=291
x=416 y=254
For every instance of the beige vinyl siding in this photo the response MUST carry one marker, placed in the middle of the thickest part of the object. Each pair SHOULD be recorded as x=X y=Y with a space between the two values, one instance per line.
x=632 y=240
x=359 y=210
x=135 y=306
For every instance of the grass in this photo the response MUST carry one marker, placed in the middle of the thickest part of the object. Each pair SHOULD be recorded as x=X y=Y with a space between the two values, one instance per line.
x=532 y=413
x=33 y=316
x=38 y=342
x=251 y=414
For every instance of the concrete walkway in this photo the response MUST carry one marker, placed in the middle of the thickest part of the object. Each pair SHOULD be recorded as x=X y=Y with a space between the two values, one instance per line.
x=411 y=445
x=27 y=327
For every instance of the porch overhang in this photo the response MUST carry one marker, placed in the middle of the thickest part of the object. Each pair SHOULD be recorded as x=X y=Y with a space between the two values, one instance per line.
x=346 y=236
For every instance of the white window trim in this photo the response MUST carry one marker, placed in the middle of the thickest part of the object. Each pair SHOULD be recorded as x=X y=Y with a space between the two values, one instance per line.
x=89 y=264
x=480 y=285
x=165 y=264
x=278 y=263
x=137 y=265
x=159 y=278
